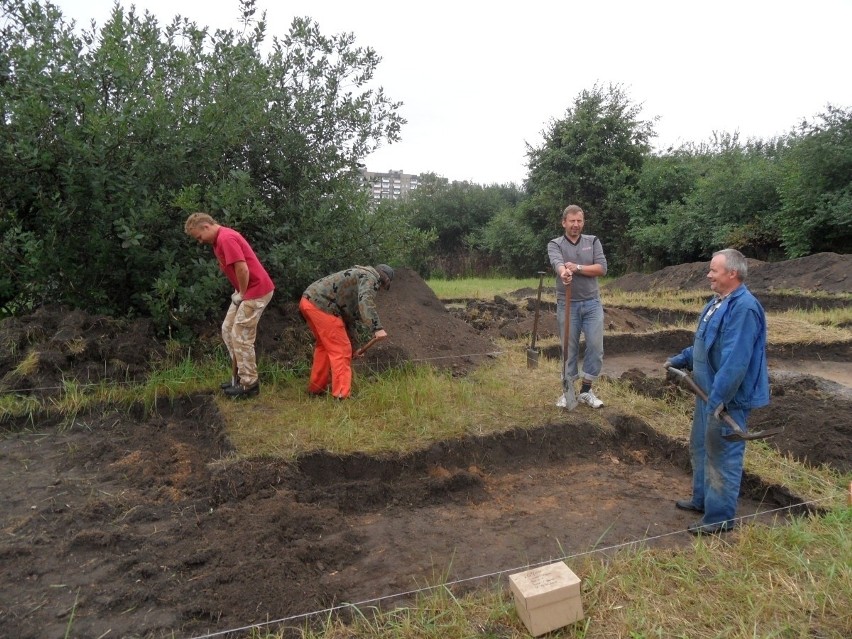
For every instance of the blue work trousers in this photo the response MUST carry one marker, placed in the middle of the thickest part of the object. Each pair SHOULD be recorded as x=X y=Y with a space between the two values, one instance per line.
x=587 y=317
x=717 y=464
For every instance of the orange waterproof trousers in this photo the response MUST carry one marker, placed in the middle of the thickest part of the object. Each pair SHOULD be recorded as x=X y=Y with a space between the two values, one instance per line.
x=332 y=352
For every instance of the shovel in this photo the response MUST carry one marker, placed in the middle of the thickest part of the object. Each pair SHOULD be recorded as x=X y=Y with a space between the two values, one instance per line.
x=569 y=394
x=739 y=434
x=360 y=352
x=532 y=351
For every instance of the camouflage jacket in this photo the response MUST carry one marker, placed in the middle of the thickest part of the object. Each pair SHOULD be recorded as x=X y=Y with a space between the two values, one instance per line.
x=350 y=295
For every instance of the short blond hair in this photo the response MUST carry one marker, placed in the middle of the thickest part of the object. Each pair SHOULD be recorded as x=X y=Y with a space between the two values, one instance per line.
x=197 y=219
x=572 y=208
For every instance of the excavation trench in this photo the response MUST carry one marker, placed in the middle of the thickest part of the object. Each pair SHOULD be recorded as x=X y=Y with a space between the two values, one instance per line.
x=144 y=526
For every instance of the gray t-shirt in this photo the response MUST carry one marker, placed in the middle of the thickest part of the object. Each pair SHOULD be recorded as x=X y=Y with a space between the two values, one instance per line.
x=587 y=251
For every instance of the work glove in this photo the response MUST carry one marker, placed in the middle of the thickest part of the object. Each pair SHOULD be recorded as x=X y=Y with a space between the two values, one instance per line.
x=236 y=298
x=667 y=365
x=718 y=412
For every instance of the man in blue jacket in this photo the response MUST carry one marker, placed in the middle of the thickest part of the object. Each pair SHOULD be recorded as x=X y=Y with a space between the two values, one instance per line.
x=728 y=360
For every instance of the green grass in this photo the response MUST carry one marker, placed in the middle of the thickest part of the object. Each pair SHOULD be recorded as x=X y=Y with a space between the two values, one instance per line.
x=399 y=411
x=485 y=288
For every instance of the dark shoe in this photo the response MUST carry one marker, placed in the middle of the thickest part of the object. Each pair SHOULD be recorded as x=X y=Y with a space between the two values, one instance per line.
x=686 y=504
x=710 y=529
x=243 y=392
x=226 y=385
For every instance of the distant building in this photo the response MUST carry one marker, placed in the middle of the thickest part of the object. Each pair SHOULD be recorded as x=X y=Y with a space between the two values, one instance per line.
x=392 y=185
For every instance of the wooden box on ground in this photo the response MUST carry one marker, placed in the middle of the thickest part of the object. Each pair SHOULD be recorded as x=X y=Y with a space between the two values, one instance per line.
x=547 y=598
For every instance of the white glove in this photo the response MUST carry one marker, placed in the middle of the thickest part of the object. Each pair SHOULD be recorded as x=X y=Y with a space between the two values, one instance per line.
x=236 y=298
x=718 y=412
x=667 y=365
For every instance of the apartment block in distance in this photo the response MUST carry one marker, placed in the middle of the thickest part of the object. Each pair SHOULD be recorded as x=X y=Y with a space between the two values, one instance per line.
x=392 y=185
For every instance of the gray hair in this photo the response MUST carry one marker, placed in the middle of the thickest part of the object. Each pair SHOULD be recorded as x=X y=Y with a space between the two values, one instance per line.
x=734 y=261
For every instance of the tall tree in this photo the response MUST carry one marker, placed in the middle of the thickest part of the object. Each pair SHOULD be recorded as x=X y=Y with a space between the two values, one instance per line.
x=109 y=138
x=591 y=157
x=816 y=188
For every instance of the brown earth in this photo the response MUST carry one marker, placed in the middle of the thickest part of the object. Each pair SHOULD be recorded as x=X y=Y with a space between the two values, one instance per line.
x=822 y=272
x=122 y=524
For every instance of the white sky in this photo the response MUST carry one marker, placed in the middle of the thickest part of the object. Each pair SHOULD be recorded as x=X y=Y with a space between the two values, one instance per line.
x=480 y=80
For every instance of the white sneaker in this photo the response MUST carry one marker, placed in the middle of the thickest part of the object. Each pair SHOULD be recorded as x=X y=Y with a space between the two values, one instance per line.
x=562 y=402
x=590 y=399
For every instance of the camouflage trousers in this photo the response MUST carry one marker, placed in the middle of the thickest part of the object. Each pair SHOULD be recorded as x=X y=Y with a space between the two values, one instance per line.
x=239 y=331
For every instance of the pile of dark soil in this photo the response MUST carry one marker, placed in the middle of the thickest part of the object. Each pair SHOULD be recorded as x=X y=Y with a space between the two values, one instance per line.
x=826 y=272
x=420 y=329
x=54 y=344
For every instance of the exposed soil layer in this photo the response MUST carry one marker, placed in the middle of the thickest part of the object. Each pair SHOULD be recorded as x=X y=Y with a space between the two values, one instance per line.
x=144 y=526
x=822 y=272
x=121 y=524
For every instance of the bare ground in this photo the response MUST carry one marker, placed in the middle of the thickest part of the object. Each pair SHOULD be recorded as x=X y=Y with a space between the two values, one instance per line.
x=132 y=525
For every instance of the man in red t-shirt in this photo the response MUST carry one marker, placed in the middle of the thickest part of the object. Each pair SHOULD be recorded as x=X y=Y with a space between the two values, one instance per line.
x=253 y=289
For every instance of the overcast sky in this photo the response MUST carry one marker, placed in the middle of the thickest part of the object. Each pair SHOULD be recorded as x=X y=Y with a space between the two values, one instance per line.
x=479 y=80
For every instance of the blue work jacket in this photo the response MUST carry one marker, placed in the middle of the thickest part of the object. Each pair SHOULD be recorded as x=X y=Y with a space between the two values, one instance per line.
x=735 y=339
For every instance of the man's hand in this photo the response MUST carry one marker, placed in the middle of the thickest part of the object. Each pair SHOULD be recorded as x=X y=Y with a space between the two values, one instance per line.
x=236 y=298
x=377 y=336
x=670 y=376
x=718 y=412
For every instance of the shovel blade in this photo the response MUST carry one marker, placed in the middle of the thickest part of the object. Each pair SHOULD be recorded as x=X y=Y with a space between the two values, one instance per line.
x=568 y=401
x=749 y=436
x=532 y=357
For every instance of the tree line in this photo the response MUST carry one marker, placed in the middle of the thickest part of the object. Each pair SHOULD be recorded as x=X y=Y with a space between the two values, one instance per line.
x=775 y=199
x=110 y=137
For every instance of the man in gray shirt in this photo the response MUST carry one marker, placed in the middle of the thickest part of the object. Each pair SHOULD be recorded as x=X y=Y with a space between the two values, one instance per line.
x=579 y=260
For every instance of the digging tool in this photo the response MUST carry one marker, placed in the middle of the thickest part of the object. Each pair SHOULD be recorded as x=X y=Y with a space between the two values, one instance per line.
x=234 y=376
x=739 y=434
x=532 y=351
x=363 y=349
x=568 y=392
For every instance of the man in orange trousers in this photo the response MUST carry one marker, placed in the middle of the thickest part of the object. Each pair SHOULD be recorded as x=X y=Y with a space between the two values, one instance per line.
x=332 y=307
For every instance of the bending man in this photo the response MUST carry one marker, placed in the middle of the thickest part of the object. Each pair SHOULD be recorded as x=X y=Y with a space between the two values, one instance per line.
x=253 y=289
x=332 y=307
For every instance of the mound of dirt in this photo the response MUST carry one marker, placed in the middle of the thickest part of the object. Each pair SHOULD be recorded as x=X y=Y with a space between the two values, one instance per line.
x=420 y=329
x=827 y=272
x=516 y=320
x=54 y=344
x=41 y=351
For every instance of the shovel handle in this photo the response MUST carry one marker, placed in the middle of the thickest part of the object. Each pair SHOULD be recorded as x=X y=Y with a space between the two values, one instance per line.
x=364 y=348
x=537 y=307
x=695 y=388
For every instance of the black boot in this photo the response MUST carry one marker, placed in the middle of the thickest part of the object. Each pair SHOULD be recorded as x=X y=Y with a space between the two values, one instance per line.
x=243 y=392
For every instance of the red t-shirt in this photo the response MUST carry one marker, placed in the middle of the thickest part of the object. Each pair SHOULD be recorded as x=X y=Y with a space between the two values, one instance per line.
x=230 y=247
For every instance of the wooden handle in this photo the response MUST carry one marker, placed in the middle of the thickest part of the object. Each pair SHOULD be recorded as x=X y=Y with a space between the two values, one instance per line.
x=364 y=348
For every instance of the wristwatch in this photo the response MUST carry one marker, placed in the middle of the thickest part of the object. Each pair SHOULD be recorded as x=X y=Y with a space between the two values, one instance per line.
x=579 y=267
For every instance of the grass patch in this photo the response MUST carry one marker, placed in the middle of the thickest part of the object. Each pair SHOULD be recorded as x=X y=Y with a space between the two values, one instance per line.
x=398 y=411
x=485 y=288
x=800 y=327
x=664 y=300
